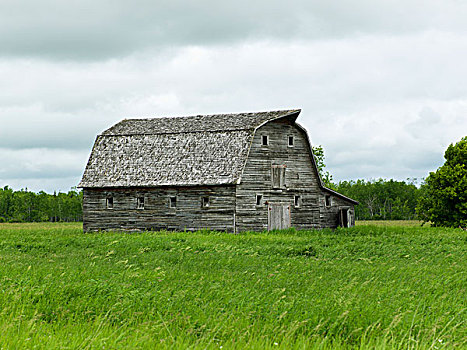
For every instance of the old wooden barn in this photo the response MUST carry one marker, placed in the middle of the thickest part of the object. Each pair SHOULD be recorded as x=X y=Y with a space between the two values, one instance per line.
x=227 y=172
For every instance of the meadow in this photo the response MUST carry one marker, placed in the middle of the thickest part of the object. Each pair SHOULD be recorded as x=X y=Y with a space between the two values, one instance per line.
x=371 y=286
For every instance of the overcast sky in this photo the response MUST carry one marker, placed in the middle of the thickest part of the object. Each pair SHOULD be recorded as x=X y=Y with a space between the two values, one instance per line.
x=382 y=84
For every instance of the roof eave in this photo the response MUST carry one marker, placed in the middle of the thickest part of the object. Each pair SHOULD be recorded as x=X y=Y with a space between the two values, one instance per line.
x=320 y=180
x=337 y=194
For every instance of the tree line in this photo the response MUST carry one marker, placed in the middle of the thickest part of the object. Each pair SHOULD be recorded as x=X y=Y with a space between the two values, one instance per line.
x=441 y=199
x=27 y=206
x=379 y=199
x=382 y=199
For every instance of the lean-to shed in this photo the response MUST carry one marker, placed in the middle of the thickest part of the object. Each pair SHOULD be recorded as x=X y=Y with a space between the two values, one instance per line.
x=228 y=172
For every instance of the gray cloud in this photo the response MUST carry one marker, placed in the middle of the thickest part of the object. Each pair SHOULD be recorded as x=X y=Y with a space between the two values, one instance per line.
x=41 y=168
x=381 y=86
x=82 y=30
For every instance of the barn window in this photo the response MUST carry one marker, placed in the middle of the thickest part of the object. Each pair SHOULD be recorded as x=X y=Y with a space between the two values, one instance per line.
x=265 y=140
x=290 y=141
x=205 y=202
x=173 y=202
x=140 y=203
x=109 y=202
x=278 y=176
x=327 y=200
x=259 y=199
x=297 y=201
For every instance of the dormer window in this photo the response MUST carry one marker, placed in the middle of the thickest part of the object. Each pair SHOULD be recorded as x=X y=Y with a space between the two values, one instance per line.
x=291 y=141
x=265 y=140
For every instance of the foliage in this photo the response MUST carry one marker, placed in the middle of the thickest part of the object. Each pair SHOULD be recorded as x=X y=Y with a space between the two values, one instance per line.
x=444 y=193
x=364 y=287
x=381 y=199
x=27 y=206
x=318 y=152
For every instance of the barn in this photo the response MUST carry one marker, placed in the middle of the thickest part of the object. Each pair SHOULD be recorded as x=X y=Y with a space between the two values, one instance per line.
x=226 y=172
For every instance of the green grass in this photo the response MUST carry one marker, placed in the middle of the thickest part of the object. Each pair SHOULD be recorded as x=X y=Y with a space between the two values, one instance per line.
x=407 y=223
x=365 y=287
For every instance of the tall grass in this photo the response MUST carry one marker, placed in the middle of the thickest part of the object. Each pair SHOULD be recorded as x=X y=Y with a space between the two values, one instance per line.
x=365 y=287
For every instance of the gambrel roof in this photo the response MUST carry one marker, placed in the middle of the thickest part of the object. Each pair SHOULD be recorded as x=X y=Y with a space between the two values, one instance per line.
x=183 y=151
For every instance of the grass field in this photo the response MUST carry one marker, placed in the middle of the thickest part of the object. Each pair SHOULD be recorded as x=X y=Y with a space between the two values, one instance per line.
x=405 y=223
x=366 y=287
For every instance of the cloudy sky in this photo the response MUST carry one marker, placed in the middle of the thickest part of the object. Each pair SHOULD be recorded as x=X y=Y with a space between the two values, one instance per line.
x=382 y=84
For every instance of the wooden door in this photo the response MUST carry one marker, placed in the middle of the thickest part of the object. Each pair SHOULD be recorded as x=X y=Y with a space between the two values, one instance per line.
x=278 y=216
x=344 y=218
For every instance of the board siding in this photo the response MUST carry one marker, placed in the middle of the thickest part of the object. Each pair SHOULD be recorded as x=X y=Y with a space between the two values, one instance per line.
x=300 y=179
x=232 y=208
x=330 y=215
x=157 y=213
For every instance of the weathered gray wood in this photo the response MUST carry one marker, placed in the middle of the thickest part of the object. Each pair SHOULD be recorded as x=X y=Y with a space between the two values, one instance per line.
x=300 y=179
x=189 y=214
x=278 y=171
x=278 y=216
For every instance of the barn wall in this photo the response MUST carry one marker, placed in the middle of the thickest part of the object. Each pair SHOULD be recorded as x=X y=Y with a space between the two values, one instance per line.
x=300 y=178
x=157 y=214
x=329 y=214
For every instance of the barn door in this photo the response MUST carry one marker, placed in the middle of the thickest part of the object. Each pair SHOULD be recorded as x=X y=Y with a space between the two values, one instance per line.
x=278 y=216
x=344 y=218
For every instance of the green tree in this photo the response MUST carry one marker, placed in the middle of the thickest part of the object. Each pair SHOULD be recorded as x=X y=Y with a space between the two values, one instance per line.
x=318 y=152
x=381 y=199
x=27 y=206
x=443 y=199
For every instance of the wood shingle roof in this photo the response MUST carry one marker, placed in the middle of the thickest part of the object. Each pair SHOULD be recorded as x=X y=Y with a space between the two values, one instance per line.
x=184 y=151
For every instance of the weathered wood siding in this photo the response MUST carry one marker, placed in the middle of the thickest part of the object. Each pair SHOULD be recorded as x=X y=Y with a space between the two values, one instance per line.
x=157 y=213
x=301 y=179
x=329 y=214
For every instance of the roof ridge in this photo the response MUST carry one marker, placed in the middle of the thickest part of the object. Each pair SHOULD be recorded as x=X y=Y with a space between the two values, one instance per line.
x=178 y=132
x=196 y=123
x=293 y=110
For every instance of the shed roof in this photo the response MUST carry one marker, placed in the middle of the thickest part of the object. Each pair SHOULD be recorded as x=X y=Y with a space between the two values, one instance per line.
x=183 y=151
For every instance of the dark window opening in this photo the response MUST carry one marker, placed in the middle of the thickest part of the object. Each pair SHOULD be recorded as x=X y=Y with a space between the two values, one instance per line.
x=345 y=218
x=265 y=140
x=259 y=199
x=290 y=141
x=140 y=203
x=327 y=200
x=110 y=203
x=297 y=201
x=205 y=202
x=173 y=202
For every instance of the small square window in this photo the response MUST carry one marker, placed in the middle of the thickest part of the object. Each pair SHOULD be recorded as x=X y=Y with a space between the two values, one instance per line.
x=265 y=140
x=205 y=202
x=291 y=141
x=173 y=202
x=259 y=199
x=297 y=201
x=110 y=202
x=327 y=200
x=140 y=203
